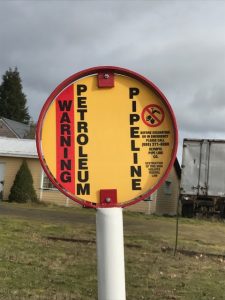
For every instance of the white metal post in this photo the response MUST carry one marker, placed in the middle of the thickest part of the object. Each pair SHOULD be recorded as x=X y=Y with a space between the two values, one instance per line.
x=110 y=254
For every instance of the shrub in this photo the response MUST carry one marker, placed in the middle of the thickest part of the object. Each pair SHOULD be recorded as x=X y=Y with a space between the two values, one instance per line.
x=22 y=189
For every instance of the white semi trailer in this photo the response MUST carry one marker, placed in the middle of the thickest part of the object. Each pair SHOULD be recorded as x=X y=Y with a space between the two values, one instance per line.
x=202 y=189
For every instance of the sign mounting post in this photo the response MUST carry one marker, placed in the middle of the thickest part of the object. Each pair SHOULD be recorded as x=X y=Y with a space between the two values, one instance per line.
x=107 y=138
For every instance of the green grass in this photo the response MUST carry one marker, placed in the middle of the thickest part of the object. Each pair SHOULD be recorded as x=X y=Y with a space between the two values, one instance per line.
x=35 y=267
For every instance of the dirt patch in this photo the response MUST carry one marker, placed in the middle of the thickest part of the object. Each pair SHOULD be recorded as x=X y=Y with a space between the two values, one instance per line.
x=193 y=253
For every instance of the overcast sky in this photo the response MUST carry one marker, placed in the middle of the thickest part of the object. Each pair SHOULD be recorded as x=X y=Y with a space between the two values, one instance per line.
x=179 y=45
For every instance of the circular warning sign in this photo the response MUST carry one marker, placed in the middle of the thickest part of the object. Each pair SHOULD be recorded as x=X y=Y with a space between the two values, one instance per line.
x=107 y=136
x=153 y=115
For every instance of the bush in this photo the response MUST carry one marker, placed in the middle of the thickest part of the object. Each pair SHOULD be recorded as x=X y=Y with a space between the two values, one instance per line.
x=22 y=189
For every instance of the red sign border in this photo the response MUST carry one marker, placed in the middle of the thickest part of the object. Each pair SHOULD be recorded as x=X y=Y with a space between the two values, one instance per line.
x=88 y=72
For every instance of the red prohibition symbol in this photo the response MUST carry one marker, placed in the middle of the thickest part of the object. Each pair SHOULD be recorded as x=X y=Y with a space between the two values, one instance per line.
x=152 y=115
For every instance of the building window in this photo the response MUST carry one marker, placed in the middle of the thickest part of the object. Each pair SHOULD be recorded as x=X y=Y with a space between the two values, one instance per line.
x=46 y=183
x=168 y=187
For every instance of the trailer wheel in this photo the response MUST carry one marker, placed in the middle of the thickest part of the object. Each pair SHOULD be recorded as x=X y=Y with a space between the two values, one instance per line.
x=222 y=210
x=188 y=210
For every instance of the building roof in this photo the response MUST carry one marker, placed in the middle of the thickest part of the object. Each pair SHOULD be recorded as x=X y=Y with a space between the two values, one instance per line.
x=14 y=147
x=18 y=128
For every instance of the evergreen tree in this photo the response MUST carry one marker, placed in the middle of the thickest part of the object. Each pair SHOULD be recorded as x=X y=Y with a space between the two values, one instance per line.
x=22 y=189
x=12 y=99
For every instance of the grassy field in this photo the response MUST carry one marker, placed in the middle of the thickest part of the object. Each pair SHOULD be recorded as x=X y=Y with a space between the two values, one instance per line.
x=53 y=259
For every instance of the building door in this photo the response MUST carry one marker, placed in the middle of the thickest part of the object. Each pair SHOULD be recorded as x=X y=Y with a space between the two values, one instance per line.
x=2 y=173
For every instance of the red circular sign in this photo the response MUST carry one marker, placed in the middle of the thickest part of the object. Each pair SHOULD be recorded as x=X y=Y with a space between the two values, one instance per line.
x=98 y=145
x=153 y=115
